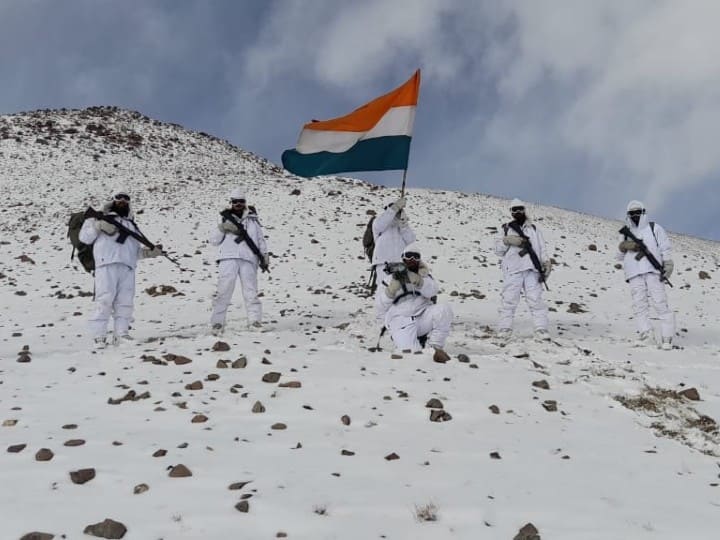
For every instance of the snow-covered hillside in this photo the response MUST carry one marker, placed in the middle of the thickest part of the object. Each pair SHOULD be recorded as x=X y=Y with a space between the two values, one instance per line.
x=586 y=437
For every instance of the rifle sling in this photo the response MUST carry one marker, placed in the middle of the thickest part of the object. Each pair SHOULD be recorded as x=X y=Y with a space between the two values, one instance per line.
x=243 y=235
x=529 y=249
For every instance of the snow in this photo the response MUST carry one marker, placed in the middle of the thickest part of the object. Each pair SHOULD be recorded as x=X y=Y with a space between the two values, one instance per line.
x=593 y=469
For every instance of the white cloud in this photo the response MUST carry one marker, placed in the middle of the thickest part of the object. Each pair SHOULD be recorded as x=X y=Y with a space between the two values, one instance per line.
x=630 y=88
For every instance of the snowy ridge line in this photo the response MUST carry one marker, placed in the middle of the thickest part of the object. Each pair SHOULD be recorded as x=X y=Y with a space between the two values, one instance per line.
x=515 y=449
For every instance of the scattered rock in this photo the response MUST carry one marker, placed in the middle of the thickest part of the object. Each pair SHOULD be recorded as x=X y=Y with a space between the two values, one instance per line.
x=130 y=396
x=347 y=453
x=213 y=377
x=527 y=532
x=179 y=471
x=140 y=488
x=440 y=356
x=392 y=457
x=82 y=475
x=464 y=358
x=37 y=536
x=258 y=407
x=179 y=360
x=495 y=455
x=160 y=453
x=161 y=290
x=222 y=364
x=195 y=385
x=703 y=274
x=240 y=363
x=550 y=405
x=395 y=356
x=574 y=307
x=291 y=384
x=106 y=529
x=238 y=485
x=691 y=393
x=278 y=425
x=243 y=506
x=295 y=191
x=271 y=377
x=74 y=442
x=592 y=247
x=199 y=419
x=44 y=454
x=494 y=409
x=15 y=448
x=541 y=384
x=345 y=419
x=9 y=423
x=434 y=403
x=220 y=346
x=437 y=415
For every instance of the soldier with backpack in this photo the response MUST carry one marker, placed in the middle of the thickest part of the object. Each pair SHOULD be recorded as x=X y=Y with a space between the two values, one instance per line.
x=646 y=254
x=525 y=268
x=241 y=250
x=391 y=235
x=116 y=247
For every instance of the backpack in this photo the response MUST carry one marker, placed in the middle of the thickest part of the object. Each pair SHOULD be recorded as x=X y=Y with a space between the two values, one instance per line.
x=369 y=239
x=84 y=251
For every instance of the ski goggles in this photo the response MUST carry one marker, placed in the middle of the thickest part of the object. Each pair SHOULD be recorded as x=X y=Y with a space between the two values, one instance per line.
x=411 y=255
x=237 y=201
x=517 y=210
x=122 y=197
x=632 y=213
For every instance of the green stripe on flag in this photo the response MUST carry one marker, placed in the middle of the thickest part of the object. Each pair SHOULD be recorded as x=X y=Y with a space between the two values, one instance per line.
x=377 y=154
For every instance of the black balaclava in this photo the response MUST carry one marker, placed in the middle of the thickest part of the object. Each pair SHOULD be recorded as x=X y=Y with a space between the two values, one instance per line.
x=120 y=207
x=238 y=209
x=518 y=214
x=635 y=216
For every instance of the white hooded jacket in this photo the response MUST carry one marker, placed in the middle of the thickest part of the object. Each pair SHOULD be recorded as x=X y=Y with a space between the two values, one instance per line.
x=413 y=304
x=106 y=248
x=512 y=262
x=391 y=237
x=658 y=244
x=230 y=249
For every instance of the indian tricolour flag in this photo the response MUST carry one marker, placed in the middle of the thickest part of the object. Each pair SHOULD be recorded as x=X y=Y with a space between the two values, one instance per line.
x=375 y=137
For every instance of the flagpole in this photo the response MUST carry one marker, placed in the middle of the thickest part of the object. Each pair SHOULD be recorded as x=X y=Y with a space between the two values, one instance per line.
x=402 y=190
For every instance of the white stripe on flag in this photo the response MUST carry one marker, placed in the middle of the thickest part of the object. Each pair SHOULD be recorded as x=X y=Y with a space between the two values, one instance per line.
x=397 y=121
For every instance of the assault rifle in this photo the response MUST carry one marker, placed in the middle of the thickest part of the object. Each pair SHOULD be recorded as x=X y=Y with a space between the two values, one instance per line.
x=124 y=232
x=242 y=235
x=527 y=249
x=398 y=270
x=645 y=252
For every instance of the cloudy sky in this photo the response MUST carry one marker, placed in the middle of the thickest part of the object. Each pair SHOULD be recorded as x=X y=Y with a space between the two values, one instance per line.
x=573 y=103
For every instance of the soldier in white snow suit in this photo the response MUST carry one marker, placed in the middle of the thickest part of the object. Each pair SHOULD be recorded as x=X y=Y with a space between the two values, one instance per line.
x=645 y=280
x=116 y=255
x=410 y=309
x=519 y=272
x=237 y=259
x=392 y=234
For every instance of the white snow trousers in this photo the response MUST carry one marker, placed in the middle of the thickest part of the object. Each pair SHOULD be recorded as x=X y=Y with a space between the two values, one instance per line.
x=648 y=286
x=229 y=270
x=382 y=281
x=529 y=282
x=434 y=322
x=114 y=295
